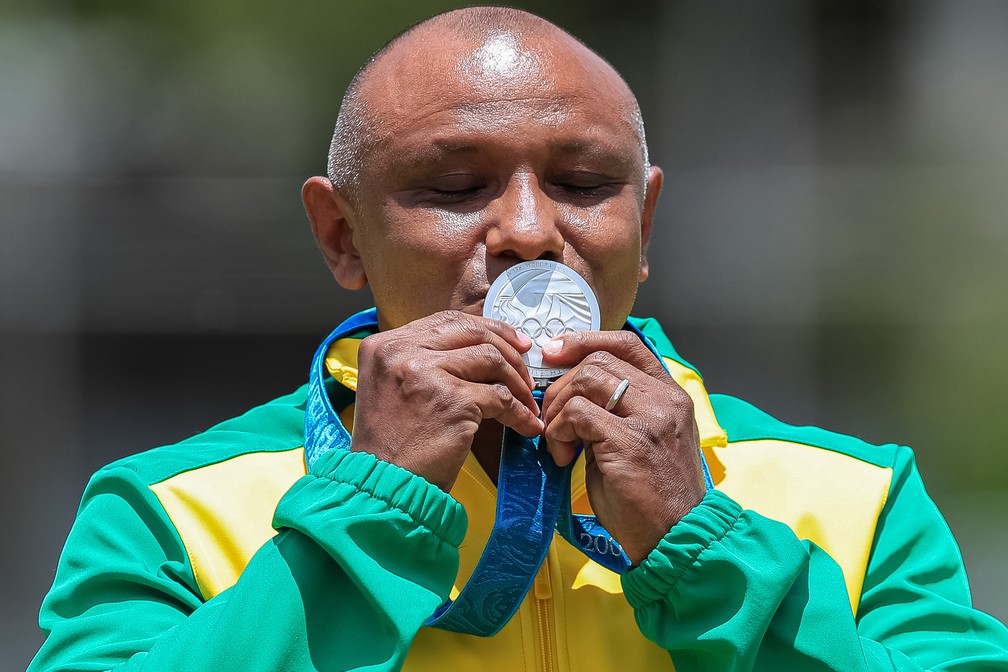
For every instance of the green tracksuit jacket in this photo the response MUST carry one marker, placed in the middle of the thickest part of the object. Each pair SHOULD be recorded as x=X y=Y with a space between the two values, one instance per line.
x=816 y=551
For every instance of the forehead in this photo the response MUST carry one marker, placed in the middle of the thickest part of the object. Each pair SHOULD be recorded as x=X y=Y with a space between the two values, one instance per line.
x=440 y=83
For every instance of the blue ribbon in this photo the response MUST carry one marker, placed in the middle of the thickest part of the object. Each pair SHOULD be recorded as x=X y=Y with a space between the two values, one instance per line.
x=533 y=499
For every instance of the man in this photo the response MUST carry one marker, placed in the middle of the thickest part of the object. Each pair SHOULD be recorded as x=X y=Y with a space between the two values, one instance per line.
x=477 y=140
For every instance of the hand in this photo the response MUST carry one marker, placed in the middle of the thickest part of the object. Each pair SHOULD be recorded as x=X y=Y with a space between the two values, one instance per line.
x=424 y=388
x=642 y=459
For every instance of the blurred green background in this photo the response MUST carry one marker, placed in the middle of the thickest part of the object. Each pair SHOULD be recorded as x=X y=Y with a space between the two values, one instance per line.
x=831 y=243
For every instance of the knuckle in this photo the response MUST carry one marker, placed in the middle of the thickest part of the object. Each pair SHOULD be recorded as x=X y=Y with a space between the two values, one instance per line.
x=556 y=432
x=599 y=358
x=375 y=341
x=627 y=337
x=368 y=346
x=455 y=323
x=411 y=366
x=634 y=347
x=682 y=402
x=492 y=355
x=501 y=394
x=473 y=330
x=380 y=349
x=578 y=409
x=415 y=380
x=663 y=415
x=502 y=325
x=588 y=376
x=575 y=337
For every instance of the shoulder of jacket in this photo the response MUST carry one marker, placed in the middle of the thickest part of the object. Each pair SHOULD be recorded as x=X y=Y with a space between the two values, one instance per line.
x=744 y=422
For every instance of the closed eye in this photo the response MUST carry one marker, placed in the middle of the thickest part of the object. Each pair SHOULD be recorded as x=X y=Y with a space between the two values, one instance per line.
x=451 y=189
x=450 y=196
x=586 y=186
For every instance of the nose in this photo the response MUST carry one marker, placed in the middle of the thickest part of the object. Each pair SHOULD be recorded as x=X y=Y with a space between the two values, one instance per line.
x=525 y=222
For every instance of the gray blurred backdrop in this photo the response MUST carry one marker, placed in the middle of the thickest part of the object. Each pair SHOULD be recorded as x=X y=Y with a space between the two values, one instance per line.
x=831 y=243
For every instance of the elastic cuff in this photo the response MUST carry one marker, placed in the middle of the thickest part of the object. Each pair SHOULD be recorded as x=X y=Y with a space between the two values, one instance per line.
x=426 y=503
x=707 y=522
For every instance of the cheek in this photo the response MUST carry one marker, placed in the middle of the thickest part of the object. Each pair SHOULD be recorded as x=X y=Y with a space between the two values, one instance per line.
x=457 y=230
x=608 y=242
x=418 y=265
x=608 y=239
x=432 y=234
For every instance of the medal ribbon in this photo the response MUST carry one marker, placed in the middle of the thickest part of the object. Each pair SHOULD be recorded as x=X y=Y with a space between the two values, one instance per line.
x=533 y=499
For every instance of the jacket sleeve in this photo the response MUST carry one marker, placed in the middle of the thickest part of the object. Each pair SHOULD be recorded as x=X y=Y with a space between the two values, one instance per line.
x=728 y=589
x=365 y=552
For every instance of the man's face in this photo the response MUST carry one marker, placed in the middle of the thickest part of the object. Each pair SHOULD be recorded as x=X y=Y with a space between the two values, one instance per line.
x=495 y=153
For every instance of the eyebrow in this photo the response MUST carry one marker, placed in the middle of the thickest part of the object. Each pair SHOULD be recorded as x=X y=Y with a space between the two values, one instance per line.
x=445 y=147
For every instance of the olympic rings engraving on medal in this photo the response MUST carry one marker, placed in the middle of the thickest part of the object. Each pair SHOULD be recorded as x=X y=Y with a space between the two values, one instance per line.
x=536 y=330
x=542 y=299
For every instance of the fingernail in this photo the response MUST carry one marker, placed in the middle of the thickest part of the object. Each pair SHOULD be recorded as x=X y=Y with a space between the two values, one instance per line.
x=524 y=339
x=552 y=346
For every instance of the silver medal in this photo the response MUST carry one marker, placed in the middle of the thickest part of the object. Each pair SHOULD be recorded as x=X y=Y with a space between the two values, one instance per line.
x=543 y=299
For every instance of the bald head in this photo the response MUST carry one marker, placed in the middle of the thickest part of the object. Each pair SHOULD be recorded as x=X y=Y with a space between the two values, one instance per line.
x=488 y=47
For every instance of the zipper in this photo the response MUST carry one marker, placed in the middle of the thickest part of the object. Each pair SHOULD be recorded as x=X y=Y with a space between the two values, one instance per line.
x=543 y=591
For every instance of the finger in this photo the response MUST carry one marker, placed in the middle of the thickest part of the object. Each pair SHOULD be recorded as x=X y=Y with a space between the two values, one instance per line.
x=569 y=349
x=596 y=379
x=495 y=402
x=518 y=339
x=580 y=421
x=451 y=323
x=485 y=363
x=450 y=330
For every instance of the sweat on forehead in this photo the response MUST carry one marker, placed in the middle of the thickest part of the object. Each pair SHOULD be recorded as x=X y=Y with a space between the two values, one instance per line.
x=485 y=48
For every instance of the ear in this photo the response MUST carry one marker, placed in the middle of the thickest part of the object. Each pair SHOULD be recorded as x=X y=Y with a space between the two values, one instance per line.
x=331 y=217
x=654 y=184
